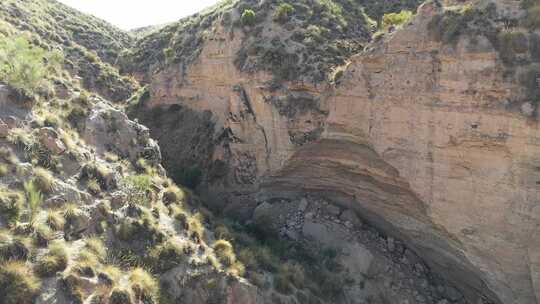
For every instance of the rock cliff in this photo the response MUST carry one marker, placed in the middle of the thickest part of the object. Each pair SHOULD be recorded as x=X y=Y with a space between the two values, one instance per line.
x=431 y=142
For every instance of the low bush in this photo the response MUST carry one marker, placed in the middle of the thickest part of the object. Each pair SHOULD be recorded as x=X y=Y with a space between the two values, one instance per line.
x=224 y=252
x=167 y=255
x=55 y=220
x=18 y=284
x=3 y=170
x=25 y=66
x=120 y=296
x=96 y=246
x=145 y=231
x=54 y=261
x=13 y=248
x=283 y=12
x=11 y=204
x=43 y=180
x=138 y=189
x=172 y=195
x=145 y=288
x=248 y=17
x=396 y=19
x=43 y=235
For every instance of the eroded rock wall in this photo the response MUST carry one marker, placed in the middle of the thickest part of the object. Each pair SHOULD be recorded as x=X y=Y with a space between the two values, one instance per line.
x=438 y=115
x=418 y=139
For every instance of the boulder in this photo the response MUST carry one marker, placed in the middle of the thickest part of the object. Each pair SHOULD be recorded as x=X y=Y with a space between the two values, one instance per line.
x=49 y=138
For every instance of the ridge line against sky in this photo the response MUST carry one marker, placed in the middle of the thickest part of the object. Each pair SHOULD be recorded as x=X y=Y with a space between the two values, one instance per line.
x=133 y=14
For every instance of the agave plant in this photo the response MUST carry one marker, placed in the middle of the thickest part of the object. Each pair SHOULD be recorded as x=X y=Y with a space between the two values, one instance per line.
x=34 y=198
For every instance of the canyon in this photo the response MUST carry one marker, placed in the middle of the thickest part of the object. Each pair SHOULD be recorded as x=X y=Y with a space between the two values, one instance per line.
x=418 y=138
x=264 y=151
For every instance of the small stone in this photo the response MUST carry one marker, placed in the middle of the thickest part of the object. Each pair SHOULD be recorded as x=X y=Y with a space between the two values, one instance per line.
x=262 y=211
x=291 y=234
x=527 y=109
x=350 y=216
x=302 y=206
x=333 y=210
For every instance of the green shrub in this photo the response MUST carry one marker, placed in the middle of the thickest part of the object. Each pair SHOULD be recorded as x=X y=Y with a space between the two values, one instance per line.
x=283 y=12
x=43 y=180
x=224 y=252
x=120 y=296
x=55 y=220
x=396 y=19
x=18 y=284
x=24 y=66
x=181 y=216
x=43 y=234
x=93 y=186
x=11 y=204
x=145 y=287
x=54 y=261
x=196 y=228
x=143 y=231
x=13 y=248
x=76 y=117
x=3 y=170
x=248 y=17
x=169 y=53
x=96 y=246
x=137 y=188
x=33 y=199
x=100 y=173
x=167 y=255
x=172 y=195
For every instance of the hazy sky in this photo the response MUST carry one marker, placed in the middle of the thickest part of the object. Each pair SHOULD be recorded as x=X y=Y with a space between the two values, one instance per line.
x=129 y=14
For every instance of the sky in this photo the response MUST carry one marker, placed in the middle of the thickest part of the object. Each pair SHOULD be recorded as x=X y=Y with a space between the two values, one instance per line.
x=130 y=14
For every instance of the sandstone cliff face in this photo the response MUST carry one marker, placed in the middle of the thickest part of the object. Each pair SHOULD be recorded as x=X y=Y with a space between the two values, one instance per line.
x=419 y=139
x=438 y=115
x=255 y=127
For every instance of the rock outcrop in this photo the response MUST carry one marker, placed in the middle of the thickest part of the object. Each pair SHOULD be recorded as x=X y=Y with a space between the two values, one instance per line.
x=420 y=138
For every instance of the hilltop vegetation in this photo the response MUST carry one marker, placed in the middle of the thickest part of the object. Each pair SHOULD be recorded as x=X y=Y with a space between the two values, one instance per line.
x=296 y=40
x=89 y=45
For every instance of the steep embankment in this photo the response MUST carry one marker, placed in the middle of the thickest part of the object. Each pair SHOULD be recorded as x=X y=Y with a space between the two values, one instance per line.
x=429 y=135
x=87 y=212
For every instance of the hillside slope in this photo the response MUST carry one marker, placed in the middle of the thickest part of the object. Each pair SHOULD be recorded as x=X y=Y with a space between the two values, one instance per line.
x=91 y=46
x=87 y=213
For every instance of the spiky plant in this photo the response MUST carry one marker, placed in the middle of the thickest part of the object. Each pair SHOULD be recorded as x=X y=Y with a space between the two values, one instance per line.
x=34 y=198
